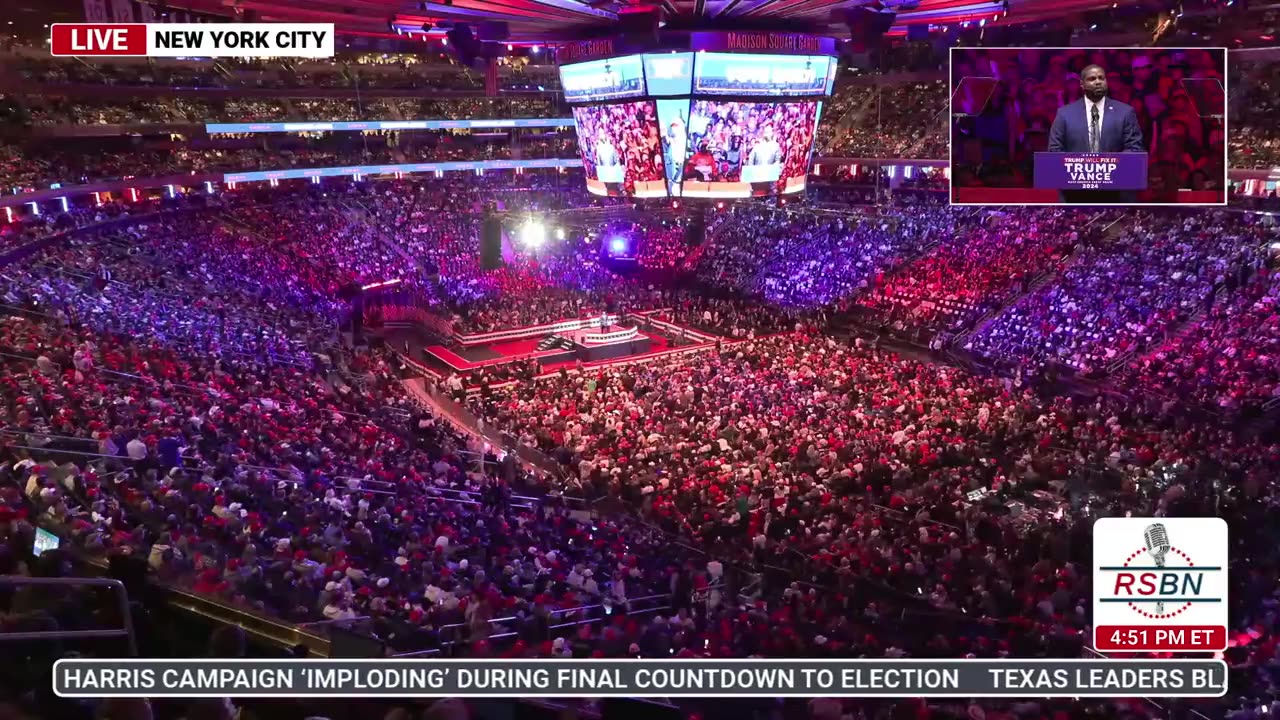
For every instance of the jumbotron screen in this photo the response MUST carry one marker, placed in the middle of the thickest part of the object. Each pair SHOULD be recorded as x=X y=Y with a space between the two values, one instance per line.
x=748 y=149
x=690 y=124
x=621 y=152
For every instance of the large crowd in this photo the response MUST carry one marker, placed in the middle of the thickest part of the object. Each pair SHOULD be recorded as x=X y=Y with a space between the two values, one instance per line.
x=57 y=109
x=1253 y=141
x=900 y=120
x=438 y=71
x=68 y=163
x=811 y=260
x=1123 y=297
x=1228 y=362
x=973 y=272
x=240 y=450
x=831 y=476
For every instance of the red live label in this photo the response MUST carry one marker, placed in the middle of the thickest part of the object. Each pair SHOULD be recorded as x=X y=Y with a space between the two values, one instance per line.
x=1145 y=638
x=98 y=39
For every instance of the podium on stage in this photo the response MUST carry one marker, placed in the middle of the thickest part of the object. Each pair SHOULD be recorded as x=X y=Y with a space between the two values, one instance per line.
x=1066 y=171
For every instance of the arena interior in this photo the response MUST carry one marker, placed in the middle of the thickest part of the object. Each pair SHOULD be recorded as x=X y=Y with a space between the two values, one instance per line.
x=487 y=399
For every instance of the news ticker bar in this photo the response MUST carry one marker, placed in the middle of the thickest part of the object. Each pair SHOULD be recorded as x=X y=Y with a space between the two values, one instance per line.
x=285 y=127
x=304 y=40
x=640 y=678
x=408 y=168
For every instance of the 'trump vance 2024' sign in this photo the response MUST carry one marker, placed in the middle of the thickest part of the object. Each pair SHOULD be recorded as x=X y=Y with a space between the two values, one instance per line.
x=1091 y=171
x=1160 y=584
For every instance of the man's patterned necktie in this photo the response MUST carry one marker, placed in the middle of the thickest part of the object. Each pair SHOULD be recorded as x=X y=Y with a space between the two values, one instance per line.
x=1093 y=128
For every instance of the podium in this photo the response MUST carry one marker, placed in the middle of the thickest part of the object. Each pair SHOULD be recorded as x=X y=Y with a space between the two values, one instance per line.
x=611 y=173
x=1090 y=171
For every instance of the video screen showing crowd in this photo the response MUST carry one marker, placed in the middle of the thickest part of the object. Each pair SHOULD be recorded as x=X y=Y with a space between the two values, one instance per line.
x=749 y=148
x=706 y=130
x=621 y=151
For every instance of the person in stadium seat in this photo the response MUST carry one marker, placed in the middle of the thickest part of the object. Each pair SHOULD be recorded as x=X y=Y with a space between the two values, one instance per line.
x=766 y=150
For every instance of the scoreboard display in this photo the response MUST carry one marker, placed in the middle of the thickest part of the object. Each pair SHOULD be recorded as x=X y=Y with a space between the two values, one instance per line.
x=697 y=124
x=603 y=80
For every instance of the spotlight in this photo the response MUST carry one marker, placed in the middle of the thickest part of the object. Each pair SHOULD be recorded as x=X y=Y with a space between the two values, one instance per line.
x=559 y=233
x=533 y=234
x=618 y=246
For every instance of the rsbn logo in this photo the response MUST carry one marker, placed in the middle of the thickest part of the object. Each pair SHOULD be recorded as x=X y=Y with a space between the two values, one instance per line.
x=1160 y=584
x=1158 y=579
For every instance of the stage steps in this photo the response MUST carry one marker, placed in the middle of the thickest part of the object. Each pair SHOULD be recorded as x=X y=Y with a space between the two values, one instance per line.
x=553 y=342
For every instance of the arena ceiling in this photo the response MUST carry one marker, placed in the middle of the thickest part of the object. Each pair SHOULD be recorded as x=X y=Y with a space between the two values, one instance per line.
x=549 y=21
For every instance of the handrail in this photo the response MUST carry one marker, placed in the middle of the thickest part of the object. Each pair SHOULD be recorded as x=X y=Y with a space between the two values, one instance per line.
x=122 y=595
x=317 y=623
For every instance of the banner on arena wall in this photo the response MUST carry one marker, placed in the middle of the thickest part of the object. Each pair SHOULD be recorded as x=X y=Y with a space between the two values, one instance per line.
x=774 y=43
x=125 y=38
x=762 y=678
x=587 y=50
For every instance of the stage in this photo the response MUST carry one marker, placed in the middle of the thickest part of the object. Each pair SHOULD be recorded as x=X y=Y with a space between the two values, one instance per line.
x=561 y=343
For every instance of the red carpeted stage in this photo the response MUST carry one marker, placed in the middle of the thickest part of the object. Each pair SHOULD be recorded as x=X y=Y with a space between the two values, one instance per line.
x=567 y=342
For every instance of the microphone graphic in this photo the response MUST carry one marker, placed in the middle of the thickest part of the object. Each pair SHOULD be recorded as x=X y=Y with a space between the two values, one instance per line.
x=1157 y=547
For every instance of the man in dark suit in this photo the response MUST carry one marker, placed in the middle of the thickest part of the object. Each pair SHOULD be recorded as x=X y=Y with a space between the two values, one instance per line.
x=1096 y=123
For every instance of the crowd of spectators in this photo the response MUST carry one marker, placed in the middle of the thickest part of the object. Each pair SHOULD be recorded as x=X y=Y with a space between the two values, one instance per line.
x=121 y=281
x=1253 y=141
x=727 y=137
x=37 y=166
x=268 y=483
x=436 y=227
x=1228 y=362
x=899 y=120
x=810 y=260
x=622 y=136
x=249 y=457
x=1122 y=296
x=53 y=109
x=857 y=464
x=29 y=228
x=365 y=71
x=661 y=246
x=974 y=271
